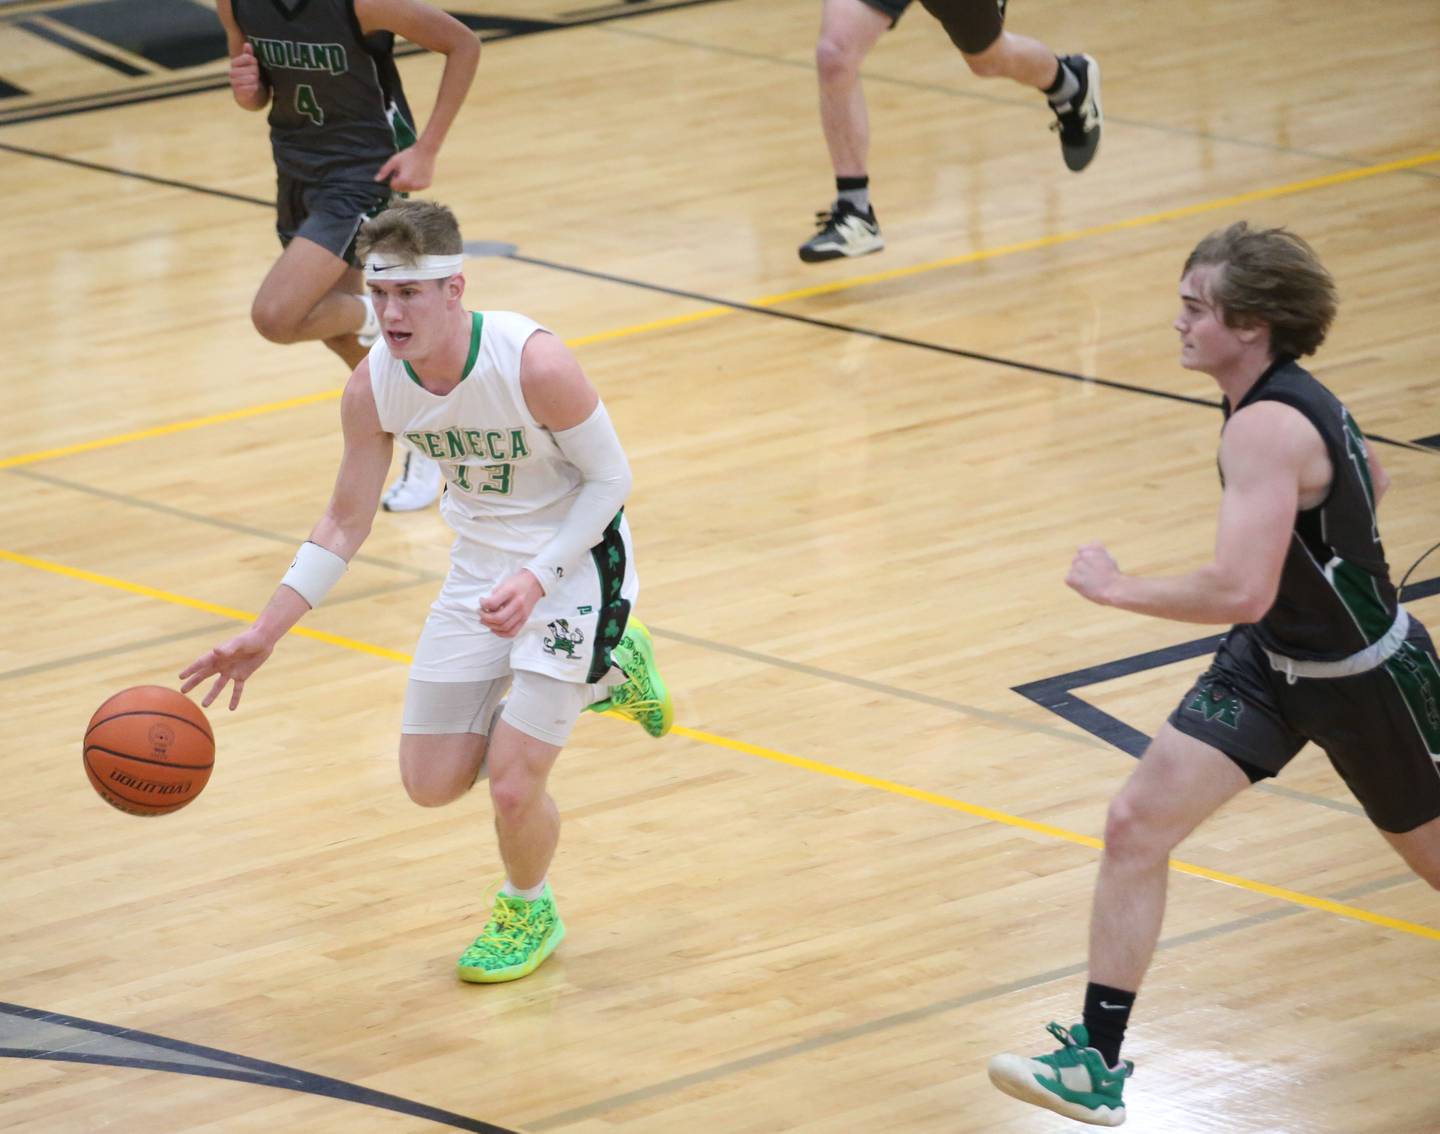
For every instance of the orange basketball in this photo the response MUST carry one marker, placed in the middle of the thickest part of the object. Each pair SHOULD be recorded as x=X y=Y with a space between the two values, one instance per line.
x=149 y=750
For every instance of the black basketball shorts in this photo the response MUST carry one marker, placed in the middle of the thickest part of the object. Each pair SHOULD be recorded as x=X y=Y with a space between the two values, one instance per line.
x=972 y=25
x=892 y=8
x=1380 y=729
x=329 y=212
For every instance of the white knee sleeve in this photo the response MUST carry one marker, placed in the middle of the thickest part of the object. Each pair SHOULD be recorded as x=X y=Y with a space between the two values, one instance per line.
x=545 y=707
x=434 y=708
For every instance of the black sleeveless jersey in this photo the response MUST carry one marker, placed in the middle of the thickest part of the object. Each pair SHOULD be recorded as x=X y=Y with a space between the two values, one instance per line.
x=1335 y=593
x=336 y=106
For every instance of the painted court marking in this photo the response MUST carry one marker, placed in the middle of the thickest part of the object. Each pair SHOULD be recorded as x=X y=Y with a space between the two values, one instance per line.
x=196 y=604
x=1048 y=830
x=1143 y=221
x=30 y=1033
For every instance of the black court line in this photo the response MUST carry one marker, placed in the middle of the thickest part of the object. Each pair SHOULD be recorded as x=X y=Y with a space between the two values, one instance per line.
x=663 y=289
x=172 y=1055
x=497 y=28
x=1058 y=693
x=731 y=304
x=171 y=35
x=79 y=104
x=831 y=325
x=902 y=340
x=153 y=180
x=84 y=50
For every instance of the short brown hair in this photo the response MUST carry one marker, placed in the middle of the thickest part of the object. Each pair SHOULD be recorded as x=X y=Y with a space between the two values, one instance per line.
x=1270 y=276
x=410 y=229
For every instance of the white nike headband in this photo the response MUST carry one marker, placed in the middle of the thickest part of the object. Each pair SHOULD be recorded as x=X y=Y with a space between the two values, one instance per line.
x=388 y=266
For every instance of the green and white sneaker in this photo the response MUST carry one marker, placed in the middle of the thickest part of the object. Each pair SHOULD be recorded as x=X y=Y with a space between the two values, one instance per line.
x=516 y=939
x=643 y=698
x=1073 y=1081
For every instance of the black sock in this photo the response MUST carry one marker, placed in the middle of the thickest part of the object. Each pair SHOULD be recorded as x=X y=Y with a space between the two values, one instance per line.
x=854 y=191
x=1107 y=1013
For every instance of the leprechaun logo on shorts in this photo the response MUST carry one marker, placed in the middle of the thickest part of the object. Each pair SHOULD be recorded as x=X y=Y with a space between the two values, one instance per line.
x=563 y=638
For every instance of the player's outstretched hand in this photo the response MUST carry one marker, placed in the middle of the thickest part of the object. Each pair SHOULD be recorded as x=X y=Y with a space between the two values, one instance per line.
x=234 y=661
x=1092 y=572
x=506 y=609
x=409 y=171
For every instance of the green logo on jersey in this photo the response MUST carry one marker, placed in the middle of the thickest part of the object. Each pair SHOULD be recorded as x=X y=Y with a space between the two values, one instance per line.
x=1217 y=704
x=288 y=55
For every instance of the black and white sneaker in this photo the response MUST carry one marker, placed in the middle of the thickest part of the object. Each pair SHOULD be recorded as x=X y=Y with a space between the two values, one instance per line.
x=844 y=231
x=1079 y=119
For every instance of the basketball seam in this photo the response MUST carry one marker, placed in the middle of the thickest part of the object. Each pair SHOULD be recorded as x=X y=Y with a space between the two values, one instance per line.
x=153 y=713
x=146 y=760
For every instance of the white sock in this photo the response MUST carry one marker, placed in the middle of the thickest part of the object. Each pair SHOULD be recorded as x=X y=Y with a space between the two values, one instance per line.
x=371 y=327
x=511 y=891
x=612 y=680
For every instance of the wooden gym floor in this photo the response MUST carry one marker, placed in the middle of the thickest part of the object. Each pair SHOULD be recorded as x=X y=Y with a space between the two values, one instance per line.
x=862 y=863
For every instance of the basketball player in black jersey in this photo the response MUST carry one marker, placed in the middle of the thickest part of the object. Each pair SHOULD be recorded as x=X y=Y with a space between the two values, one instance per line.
x=341 y=133
x=1321 y=649
x=850 y=28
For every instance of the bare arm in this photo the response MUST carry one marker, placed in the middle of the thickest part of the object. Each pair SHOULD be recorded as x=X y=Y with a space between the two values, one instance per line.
x=363 y=467
x=247 y=84
x=1262 y=453
x=341 y=531
x=413 y=169
x=555 y=388
x=1379 y=478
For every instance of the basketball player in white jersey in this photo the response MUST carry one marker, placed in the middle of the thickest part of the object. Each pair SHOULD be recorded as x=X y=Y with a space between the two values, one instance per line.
x=541 y=578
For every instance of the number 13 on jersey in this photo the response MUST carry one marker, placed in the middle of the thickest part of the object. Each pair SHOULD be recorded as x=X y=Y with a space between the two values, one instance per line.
x=497 y=478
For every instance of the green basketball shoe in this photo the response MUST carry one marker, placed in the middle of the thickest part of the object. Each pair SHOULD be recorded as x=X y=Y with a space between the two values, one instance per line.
x=1073 y=1081
x=516 y=939
x=643 y=698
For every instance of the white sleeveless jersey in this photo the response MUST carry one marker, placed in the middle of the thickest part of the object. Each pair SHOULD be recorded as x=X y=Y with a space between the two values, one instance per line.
x=508 y=486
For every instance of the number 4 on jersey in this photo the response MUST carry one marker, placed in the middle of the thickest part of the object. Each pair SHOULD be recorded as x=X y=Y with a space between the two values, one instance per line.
x=307 y=105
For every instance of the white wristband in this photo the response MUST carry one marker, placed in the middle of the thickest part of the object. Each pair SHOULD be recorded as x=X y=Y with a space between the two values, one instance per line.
x=316 y=569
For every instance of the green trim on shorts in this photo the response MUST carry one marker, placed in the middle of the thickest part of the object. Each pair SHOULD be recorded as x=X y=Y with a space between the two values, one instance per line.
x=1418 y=680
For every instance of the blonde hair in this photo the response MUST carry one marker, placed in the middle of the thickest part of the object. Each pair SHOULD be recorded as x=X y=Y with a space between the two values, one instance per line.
x=410 y=229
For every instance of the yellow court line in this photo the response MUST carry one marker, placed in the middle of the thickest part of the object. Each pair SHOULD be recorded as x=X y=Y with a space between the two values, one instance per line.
x=782 y=297
x=306 y=399
x=654 y=325
x=1144 y=221
x=1293 y=897
x=194 y=604
x=173 y=427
